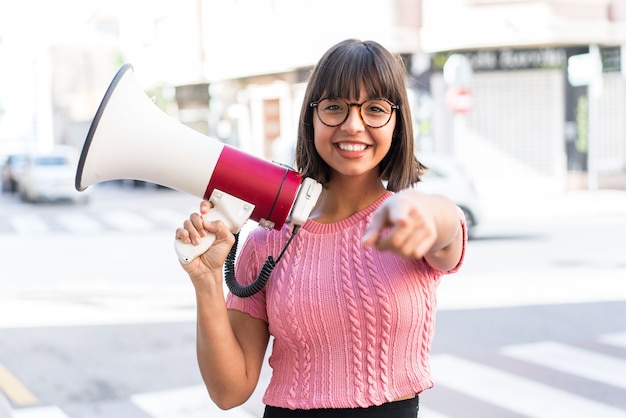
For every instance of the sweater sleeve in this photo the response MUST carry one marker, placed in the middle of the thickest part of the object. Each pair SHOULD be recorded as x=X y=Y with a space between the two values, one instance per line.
x=247 y=268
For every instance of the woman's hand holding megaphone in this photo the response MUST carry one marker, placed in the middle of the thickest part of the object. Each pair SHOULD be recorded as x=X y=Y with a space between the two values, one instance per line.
x=203 y=240
x=220 y=217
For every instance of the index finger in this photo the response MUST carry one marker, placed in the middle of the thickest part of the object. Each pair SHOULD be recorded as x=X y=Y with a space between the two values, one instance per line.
x=377 y=224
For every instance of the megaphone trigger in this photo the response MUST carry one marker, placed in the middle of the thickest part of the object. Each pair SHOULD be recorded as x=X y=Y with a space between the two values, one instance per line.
x=232 y=211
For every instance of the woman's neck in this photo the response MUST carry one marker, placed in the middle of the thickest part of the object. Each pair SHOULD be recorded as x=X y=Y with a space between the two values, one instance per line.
x=338 y=202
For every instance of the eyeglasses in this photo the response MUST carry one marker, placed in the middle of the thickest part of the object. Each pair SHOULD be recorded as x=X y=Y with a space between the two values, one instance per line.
x=375 y=113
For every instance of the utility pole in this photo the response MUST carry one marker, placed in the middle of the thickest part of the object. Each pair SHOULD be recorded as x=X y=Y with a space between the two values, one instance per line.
x=457 y=74
x=595 y=93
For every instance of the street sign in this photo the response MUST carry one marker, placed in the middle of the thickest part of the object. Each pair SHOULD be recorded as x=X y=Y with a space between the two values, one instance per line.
x=457 y=71
x=459 y=99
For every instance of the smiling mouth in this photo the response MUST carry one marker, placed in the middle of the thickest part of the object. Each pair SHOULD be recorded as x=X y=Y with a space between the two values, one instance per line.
x=352 y=147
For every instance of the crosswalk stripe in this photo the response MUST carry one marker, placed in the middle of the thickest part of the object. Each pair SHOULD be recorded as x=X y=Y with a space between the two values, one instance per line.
x=572 y=360
x=79 y=223
x=617 y=339
x=524 y=396
x=127 y=221
x=28 y=224
x=187 y=402
x=429 y=413
x=39 y=412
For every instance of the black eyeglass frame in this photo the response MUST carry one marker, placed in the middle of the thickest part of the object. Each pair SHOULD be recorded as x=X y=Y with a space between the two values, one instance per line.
x=359 y=105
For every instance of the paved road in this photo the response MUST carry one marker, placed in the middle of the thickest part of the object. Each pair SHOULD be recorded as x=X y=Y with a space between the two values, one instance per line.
x=535 y=340
x=112 y=209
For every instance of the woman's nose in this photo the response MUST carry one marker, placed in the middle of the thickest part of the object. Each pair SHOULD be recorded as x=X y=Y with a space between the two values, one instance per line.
x=354 y=120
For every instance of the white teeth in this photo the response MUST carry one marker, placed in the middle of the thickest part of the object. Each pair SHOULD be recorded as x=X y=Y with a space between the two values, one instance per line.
x=352 y=147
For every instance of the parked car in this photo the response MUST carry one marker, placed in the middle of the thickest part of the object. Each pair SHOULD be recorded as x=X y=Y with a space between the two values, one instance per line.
x=446 y=176
x=11 y=172
x=50 y=177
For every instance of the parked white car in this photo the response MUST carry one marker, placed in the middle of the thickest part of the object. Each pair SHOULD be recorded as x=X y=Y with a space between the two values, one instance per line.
x=11 y=172
x=50 y=177
x=446 y=176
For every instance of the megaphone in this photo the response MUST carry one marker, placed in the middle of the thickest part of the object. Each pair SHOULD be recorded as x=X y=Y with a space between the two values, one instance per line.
x=131 y=138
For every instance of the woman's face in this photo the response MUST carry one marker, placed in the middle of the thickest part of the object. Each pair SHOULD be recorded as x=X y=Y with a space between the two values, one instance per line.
x=352 y=148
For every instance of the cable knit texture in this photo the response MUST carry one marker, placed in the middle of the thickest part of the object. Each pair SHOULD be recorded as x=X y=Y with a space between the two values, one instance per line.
x=352 y=326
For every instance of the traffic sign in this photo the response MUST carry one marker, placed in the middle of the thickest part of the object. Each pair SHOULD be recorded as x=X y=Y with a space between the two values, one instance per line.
x=459 y=99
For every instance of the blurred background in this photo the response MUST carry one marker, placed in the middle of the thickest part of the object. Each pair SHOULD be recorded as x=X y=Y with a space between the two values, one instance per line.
x=533 y=99
x=519 y=109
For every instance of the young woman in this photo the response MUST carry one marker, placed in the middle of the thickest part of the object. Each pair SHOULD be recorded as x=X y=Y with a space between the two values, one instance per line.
x=351 y=304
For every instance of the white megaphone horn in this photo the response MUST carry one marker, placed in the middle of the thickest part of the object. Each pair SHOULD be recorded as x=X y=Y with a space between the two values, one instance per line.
x=131 y=138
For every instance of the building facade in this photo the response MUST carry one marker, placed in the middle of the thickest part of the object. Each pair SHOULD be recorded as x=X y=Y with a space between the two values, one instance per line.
x=547 y=91
x=543 y=108
x=547 y=94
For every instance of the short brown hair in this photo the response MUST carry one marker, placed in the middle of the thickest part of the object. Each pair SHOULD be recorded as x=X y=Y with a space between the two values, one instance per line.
x=340 y=73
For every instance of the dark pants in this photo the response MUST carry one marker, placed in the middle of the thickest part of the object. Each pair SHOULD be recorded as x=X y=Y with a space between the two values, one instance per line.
x=398 y=409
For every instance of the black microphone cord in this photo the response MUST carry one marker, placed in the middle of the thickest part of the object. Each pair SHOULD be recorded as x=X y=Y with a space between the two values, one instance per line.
x=264 y=275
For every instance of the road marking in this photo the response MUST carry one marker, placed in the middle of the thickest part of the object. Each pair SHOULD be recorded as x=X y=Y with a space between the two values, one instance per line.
x=429 y=413
x=187 y=402
x=572 y=360
x=617 y=339
x=40 y=412
x=14 y=389
x=79 y=223
x=529 y=398
x=127 y=221
x=29 y=224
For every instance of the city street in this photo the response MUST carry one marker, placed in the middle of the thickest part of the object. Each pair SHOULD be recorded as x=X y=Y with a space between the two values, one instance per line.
x=519 y=102
x=97 y=317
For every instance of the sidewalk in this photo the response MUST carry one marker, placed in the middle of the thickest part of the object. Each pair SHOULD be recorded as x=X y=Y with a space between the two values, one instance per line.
x=570 y=204
x=544 y=283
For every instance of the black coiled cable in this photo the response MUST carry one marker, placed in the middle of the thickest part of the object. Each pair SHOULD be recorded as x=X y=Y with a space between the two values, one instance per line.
x=264 y=275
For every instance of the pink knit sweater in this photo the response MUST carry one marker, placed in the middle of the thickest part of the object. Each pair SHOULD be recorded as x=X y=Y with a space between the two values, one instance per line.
x=352 y=326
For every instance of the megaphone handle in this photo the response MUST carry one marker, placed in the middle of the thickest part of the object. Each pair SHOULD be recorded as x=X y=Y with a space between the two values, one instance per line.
x=229 y=209
x=187 y=252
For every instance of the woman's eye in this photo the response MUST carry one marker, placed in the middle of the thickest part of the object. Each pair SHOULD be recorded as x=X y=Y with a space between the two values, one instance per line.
x=377 y=107
x=333 y=107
